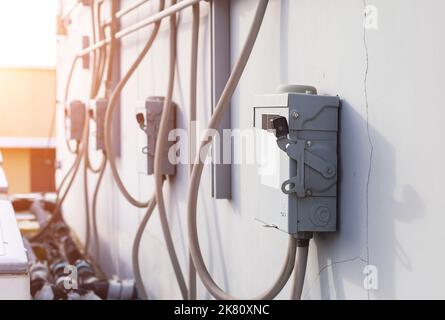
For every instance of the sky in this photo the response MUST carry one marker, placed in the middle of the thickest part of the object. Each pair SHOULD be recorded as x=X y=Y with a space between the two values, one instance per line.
x=27 y=33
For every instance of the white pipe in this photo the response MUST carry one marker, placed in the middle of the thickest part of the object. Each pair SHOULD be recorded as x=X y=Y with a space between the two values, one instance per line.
x=127 y=10
x=142 y=24
x=130 y=8
x=70 y=11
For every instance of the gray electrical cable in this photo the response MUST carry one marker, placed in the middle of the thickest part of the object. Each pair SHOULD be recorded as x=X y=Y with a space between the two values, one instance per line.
x=220 y=109
x=141 y=24
x=94 y=205
x=192 y=120
x=96 y=80
x=73 y=170
x=67 y=88
x=94 y=54
x=85 y=186
x=108 y=88
x=112 y=106
x=65 y=178
x=299 y=272
x=159 y=159
x=112 y=47
x=61 y=199
x=70 y=183
x=129 y=9
x=100 y=59
x=108 y=122
x=135 y=252
x=81 y=152
x=87 y=156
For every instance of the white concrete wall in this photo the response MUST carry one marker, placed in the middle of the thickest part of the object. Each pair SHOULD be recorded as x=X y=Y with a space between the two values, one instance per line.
x=391 y=206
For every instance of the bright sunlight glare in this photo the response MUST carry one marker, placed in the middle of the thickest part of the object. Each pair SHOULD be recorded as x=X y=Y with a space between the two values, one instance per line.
x=27 y=33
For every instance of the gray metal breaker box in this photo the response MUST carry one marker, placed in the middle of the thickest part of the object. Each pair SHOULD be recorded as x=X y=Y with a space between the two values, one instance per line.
x=310 y=142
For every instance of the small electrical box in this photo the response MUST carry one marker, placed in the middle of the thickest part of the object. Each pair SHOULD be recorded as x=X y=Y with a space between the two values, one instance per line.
x=60 y=26
x=77 y=116
x=100 y=108
x=154 y=107
x=86 y=57
x=307 y=135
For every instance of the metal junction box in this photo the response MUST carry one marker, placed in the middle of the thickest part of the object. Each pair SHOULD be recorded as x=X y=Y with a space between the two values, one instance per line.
x=100 y=107
x=154 y=107
x=77 y=116
x=306 y=128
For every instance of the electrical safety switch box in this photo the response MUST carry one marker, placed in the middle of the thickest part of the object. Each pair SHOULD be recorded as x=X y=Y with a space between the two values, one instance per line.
x=154 y=107
x=100 y=109
x=77 y=115
x=304 y=126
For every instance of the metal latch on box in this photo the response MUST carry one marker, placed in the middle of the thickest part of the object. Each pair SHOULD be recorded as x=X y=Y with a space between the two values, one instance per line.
x=300 y=152
x=150 y=124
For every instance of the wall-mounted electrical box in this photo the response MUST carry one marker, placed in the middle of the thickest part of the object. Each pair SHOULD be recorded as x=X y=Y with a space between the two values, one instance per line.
x=100 y=108
x=153 y=113
x=14 y=277
x=60 y=26
x=304 y=126
x=86 y=57
x=220 y=53
x=77 y=116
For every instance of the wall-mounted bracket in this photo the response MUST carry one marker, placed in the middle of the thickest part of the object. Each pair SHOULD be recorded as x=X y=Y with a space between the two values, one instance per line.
x=220 y=46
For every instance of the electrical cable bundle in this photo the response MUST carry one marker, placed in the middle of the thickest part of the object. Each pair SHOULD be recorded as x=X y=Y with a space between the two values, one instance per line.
x=296 y=259
x=59 y=270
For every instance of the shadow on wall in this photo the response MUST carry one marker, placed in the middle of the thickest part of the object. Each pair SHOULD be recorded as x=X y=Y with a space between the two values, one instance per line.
x=368 y=214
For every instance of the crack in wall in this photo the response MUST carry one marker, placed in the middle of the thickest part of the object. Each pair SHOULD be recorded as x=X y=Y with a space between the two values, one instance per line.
x=368 y=131
x=329 y=266
x=365 y=260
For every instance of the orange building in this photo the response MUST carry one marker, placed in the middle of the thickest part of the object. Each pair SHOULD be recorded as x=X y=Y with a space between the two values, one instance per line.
x=27 y=106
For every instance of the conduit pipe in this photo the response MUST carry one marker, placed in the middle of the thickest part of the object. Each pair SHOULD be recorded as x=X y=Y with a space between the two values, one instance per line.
x=300 y=270
x=159 y=158
x=127 y=10
x=135 y=251
x=108 y=88
x=70 y=176
x=70 y=11
x=192 y=122
x=220 y=109
x=86 y=140
x=140 y=25
x=80 y=151
x=108 y=146
x=67 y=89
x=110 y=112
x=97 y=77
x=151 y=204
